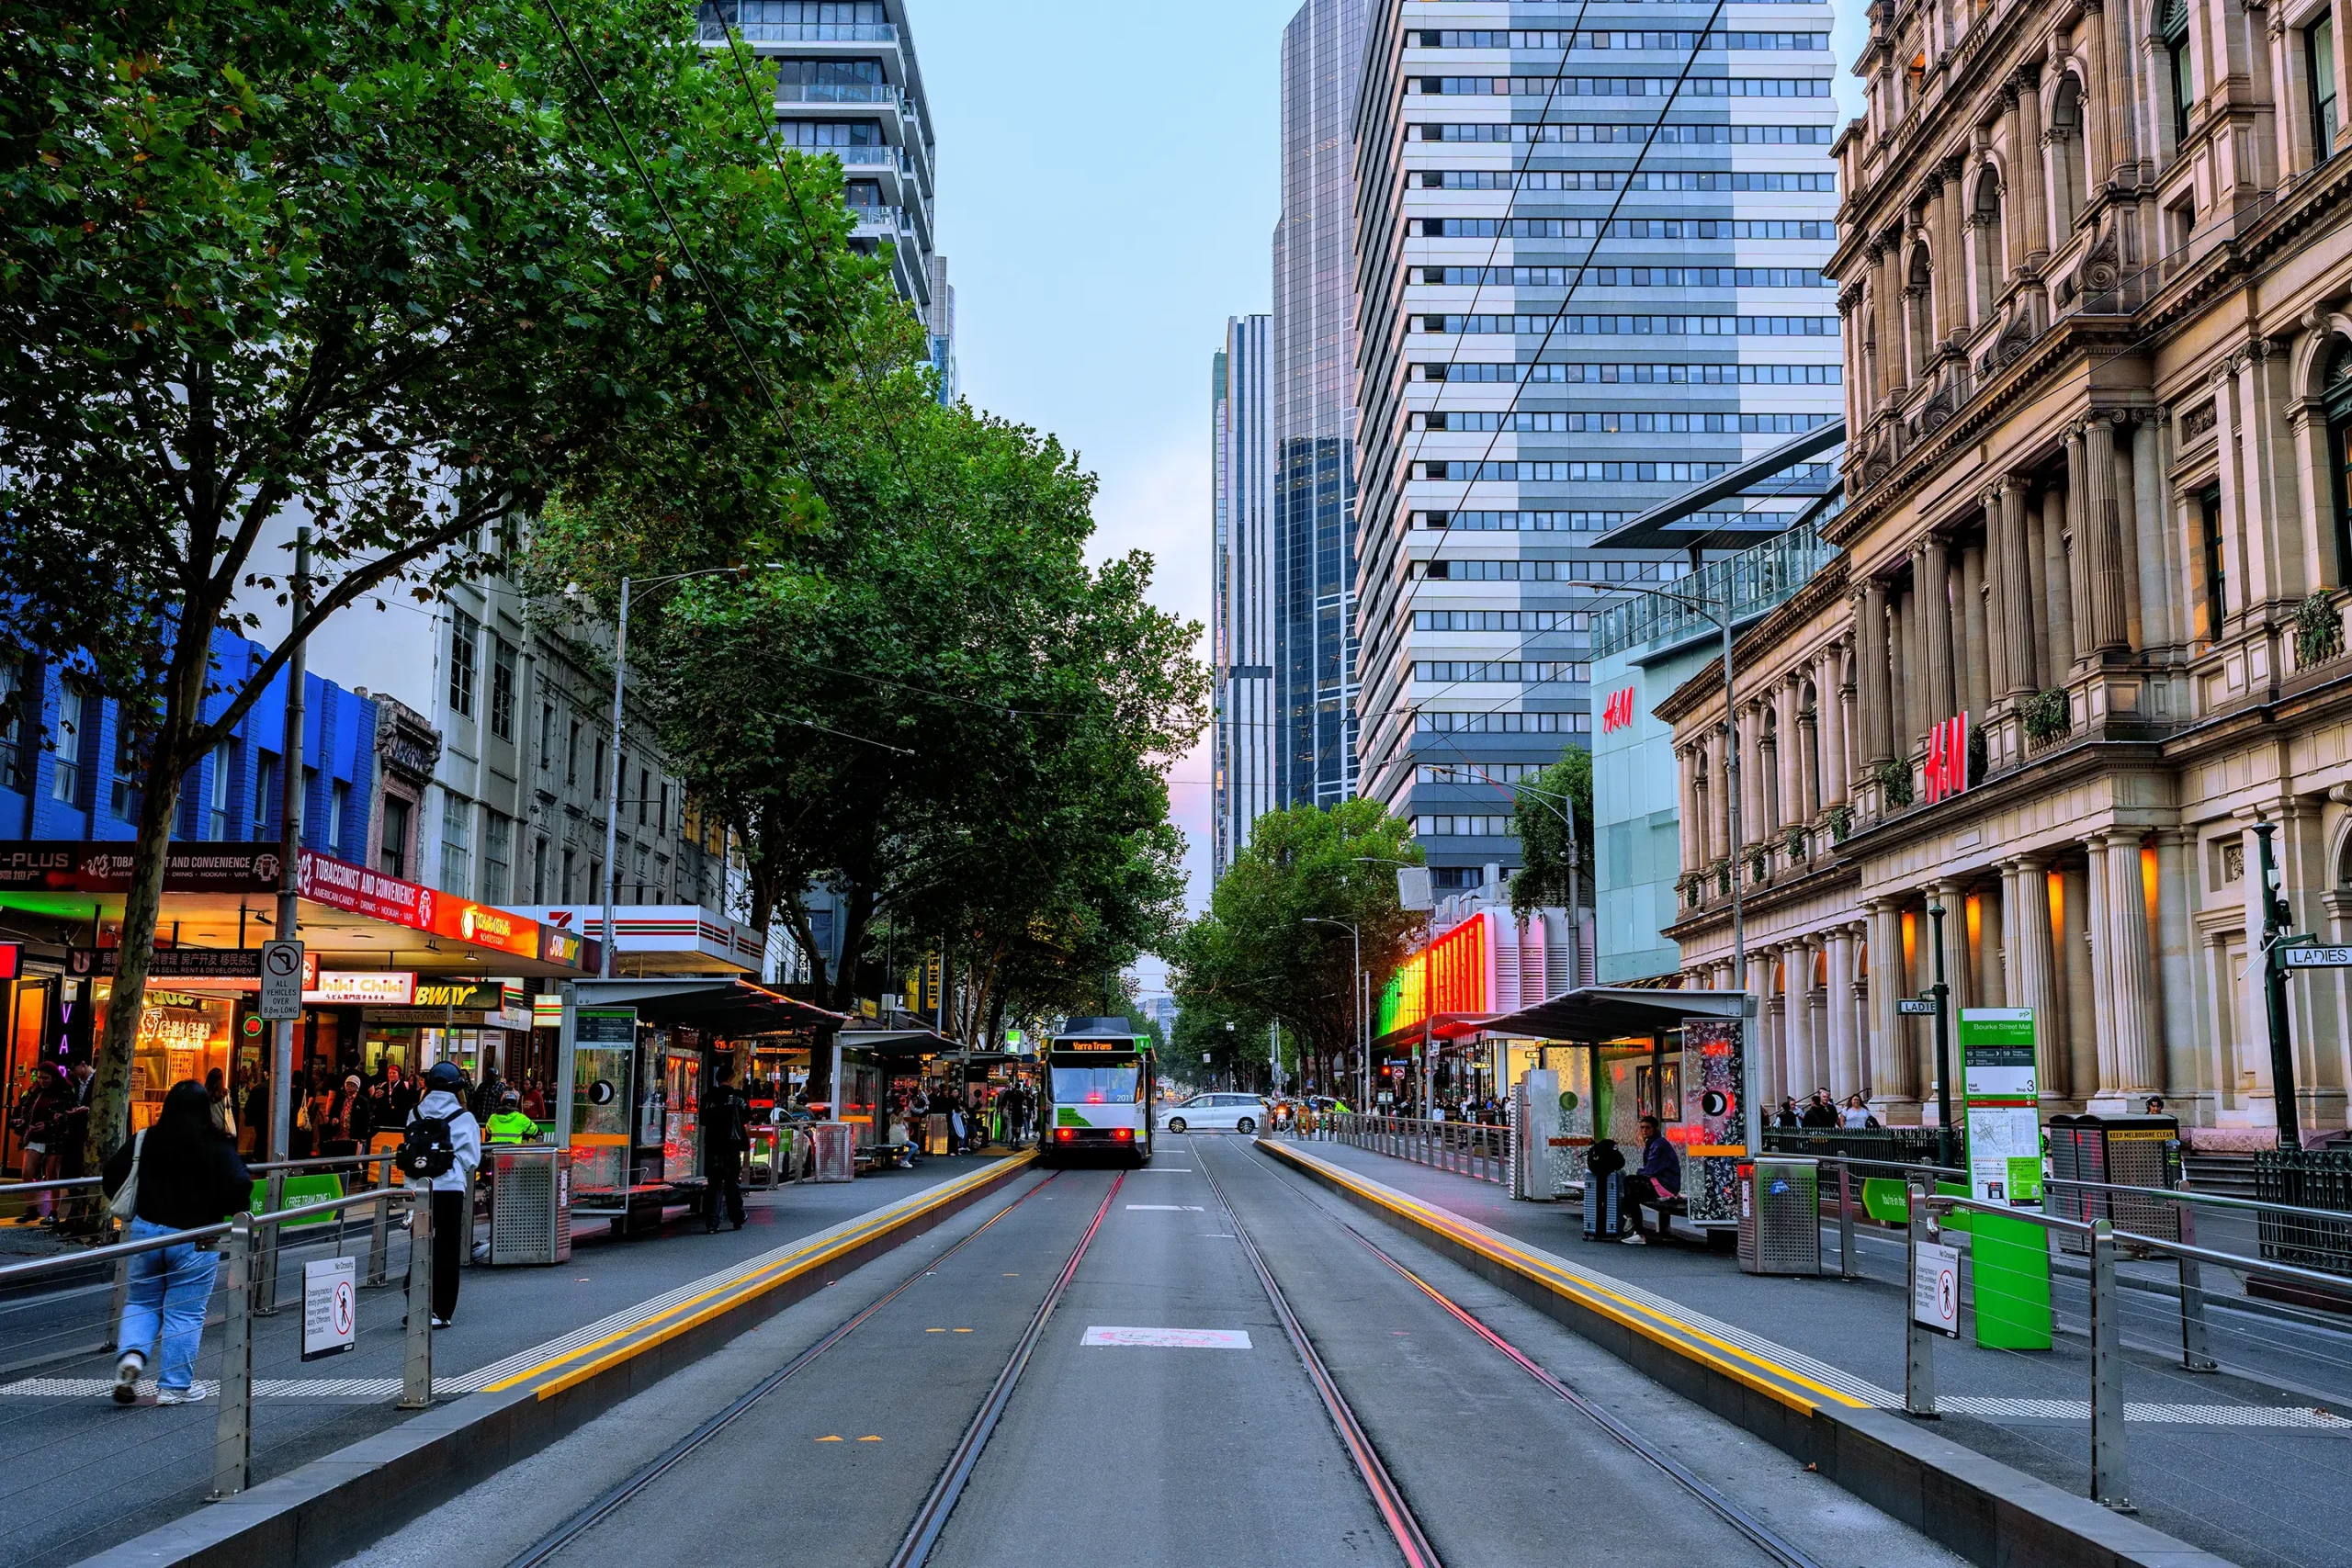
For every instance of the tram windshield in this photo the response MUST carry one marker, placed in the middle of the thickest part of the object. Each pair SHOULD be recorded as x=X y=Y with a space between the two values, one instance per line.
x=1097 y=1083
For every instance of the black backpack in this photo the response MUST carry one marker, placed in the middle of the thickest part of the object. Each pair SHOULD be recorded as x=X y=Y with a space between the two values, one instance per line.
x=427 y=1151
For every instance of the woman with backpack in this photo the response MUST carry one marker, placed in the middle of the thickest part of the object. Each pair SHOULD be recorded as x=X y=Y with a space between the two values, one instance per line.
x=181 y=1173
x=443 y=1149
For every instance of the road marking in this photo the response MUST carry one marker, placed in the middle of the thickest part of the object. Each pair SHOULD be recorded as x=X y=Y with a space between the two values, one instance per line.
x=935 y=1331
x=1165 y=1170
x=1170 y=1208
x=2305 y=1417
x=829 y=1439
x=963 y=1331
x=869 y=1439
x=1173 y=1338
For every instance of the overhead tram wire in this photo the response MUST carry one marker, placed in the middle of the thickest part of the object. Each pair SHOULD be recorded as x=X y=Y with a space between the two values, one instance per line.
x=1552 y=326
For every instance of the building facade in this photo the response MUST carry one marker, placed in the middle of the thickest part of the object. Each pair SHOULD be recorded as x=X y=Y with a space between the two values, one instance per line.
x=847 y=85
x=1250 y=729
x=1314 y=366
x=2084 y=630
x=1517 y=403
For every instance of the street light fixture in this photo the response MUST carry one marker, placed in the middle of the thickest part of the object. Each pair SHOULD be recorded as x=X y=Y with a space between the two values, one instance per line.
x=612 y=879
x=1752 y=1075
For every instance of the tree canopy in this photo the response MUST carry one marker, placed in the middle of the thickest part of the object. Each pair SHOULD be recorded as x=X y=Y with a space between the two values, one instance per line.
x=1554 y=873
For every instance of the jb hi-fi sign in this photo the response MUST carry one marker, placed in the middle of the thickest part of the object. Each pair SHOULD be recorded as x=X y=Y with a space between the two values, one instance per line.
x=1616 y=711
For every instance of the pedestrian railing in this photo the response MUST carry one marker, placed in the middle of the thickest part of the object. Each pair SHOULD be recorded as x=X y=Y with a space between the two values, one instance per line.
x=2317 y=1183
x=1468 y=1148
x=61 y=1318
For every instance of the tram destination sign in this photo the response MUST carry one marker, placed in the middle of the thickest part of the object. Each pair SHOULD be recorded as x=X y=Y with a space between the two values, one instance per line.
x=2315 y=957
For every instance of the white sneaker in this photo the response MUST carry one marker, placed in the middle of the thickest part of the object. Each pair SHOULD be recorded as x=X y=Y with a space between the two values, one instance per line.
x=440 y=1322
x=192 y=1394
x=125 y=1378
x=1636 y=1239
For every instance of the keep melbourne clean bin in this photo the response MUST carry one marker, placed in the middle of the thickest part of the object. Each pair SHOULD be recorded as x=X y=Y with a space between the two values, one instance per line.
x=2122 y=1151
x=530 y=1204
x=1780 y=1216
x=836 y=1153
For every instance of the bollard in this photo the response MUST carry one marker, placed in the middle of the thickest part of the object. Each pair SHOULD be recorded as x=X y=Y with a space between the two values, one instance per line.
x=114 y=1308
x=2109 y=1485
x=2195 y=1355
x=379 y=1241
x=232 y=1433
x=1846 y=1268
x=1918 y=1343
x=416 y=1383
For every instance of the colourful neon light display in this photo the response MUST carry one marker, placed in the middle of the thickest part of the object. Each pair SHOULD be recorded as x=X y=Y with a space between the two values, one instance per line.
x=1459 y=971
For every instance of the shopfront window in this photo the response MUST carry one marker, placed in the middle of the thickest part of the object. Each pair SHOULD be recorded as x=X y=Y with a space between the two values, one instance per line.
x=181 y=1036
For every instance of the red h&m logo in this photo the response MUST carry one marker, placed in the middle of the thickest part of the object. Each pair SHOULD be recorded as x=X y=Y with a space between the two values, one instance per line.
x=1946 y=773
x=1617 y=710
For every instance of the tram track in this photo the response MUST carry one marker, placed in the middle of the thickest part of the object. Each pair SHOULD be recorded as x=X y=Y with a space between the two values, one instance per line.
x=1755 y=1531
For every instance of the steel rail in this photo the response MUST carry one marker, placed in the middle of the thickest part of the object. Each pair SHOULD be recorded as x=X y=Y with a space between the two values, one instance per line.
x=1386 y=1496
x=604 y=1506
x=931 y=1518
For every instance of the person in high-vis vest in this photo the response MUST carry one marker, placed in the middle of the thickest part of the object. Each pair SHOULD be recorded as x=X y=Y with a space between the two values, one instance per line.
x=509 y=1125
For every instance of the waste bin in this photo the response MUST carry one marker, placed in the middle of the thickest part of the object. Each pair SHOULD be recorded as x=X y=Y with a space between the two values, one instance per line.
x=2124 y=1151
x=1604 y=1205
x=1780 y=1216
x=530 y=1204
x=835 y=1151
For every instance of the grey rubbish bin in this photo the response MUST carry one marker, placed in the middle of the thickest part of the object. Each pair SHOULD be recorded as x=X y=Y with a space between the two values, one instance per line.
x=1780 y=1216
x=530 y=1203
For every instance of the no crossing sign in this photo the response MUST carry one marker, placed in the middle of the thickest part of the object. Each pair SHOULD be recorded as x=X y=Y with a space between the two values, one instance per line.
x=281 y=981
x=330 y=1308
x=1935 y=1288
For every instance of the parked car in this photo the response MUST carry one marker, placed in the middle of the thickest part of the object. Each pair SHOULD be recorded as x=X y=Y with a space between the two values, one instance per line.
x=1235 y=1113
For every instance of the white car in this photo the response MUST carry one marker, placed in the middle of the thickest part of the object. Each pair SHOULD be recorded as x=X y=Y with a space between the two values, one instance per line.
x=1235 y=1113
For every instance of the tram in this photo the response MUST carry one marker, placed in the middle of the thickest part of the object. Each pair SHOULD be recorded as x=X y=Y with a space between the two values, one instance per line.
x=1094 y=1097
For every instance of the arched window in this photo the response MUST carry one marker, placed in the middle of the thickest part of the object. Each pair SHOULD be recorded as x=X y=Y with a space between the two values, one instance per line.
x=2069 y=157
x=2174 y=30
x=1991 y=253
x=2336 y=404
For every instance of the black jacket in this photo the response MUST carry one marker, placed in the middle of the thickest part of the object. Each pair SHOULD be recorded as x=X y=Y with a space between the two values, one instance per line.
x=183 y=1187
x=1818 y=1115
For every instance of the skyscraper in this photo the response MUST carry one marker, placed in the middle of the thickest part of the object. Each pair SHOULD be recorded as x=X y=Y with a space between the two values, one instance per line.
x=1247 y=737
x=847 y=83
x=1314 y=370
x=1508 y=422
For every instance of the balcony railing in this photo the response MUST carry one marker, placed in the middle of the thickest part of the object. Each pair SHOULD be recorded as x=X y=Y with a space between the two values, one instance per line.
x=717 y=18
x=892 y=218
x=836 y=93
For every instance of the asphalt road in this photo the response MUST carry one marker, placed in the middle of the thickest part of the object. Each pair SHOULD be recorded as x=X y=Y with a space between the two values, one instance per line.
x=1155 y=1456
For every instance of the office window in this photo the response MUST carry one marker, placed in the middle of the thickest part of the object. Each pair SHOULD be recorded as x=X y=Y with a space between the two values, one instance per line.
x=538 y=871
x=644 y=860
x=265 y=795
x=571 y=757
x=338 y=812
x=122 y=793
x=224 y=766
x=497 y=857
x=457 y=843
x=663 y=823
x=464 y=633
x=568 y=869
x=392 y=846
x=597 y=889
x=2184 y=90
x=12 y=724
x=2208 y=508
x=2319 y=53
x=644 y=795
x=502 y=688
x=546 y=736
x=596 y=785
x=65 y=784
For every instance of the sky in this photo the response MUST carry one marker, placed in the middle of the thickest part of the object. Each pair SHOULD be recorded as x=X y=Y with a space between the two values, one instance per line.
x=1108 y=186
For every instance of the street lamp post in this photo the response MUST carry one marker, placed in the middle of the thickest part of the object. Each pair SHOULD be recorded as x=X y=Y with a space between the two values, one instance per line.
x=612 y=877
x=1752 y=1073
x=1355 y=996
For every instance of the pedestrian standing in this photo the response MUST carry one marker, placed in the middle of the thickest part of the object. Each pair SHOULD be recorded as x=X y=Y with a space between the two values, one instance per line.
x=727 y=1138
x=453 y=1189
x=187 y=1175
x=41 y=1108
x=955 y=1128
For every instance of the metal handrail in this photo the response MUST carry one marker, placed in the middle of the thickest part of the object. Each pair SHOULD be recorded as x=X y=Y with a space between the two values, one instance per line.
x=267 y=1166
x=2213 y=1200
x=112 y=1251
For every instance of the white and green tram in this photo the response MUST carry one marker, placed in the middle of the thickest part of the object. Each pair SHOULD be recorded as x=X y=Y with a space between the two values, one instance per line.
x=1095 y=1093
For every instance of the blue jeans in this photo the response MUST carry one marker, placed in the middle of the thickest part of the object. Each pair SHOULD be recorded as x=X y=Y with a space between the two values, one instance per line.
x=169 y=1290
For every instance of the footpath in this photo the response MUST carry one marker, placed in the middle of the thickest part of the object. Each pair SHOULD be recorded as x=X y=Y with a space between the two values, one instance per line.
x=79 y=1474
x=2253 y=1463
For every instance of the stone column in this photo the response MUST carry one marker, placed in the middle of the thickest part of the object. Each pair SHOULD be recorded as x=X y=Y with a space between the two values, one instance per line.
x=1910 y=672
x=1720 y=788
x=2019 y=633
x=1878 y=719
x=2110 y=623
x=2099 y=908
x=2176 y=893
x=2096 y=109
x=2122 y=435
x=2078 y=990
x=1755 y=822
x=2000 y=565
x=1830 y=687
x=1935 y=603
x=1893 y=1066
x=1953 y=896
x=2077 y=546
x=1845 y=1074
x=1974 y=651
x=1760 y=985
x=2026 y=154
x=1692 y=837
x=2132 y=983
x=2032 y=981
x=1789 y=758
x=1796 y=1037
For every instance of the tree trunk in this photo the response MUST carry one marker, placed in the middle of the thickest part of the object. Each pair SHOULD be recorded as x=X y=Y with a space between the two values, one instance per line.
x=110 y=1090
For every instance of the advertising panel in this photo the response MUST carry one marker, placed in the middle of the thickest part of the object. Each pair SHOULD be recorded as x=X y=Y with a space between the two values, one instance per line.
x=1997 y=1055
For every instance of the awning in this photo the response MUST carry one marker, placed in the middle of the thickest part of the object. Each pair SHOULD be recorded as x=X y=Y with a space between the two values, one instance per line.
x=898 y=1042
x=720 y=1007
x=1610 y=1012
x=662 y=939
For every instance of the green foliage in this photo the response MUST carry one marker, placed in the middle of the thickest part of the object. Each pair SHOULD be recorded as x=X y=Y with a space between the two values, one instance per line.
x=2048 y=715
x=1895 y=781
x=1841 y=823
x=2319 y=631
x=389 y=268
x=1255 y=956
x=1795 y=843
x=1536 y=818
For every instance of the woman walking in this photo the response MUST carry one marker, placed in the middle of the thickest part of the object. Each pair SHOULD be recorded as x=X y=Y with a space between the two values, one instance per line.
x=188 y=1175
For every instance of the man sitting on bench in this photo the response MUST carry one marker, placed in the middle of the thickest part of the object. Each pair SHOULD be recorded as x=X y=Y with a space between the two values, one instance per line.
x=1657 y=1184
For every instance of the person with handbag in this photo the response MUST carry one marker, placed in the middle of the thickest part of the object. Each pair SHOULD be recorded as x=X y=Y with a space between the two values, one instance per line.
x=179 y=1174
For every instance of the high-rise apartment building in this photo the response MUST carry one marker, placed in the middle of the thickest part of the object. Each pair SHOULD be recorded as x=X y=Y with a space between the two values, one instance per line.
x=1314 y=483
x=1517 y=403
x=1250 y=733
x=847 y=85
